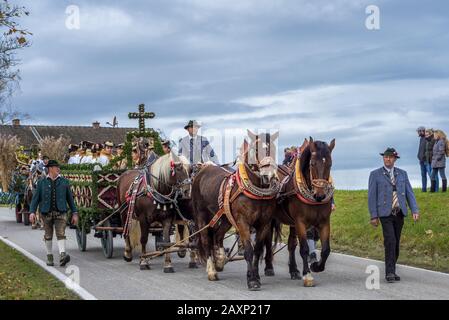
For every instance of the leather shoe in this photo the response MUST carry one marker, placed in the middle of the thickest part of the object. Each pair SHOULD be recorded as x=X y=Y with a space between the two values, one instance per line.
x=390 y=278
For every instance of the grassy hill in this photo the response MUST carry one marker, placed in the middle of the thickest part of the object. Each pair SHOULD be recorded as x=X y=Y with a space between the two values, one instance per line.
x=424 y=244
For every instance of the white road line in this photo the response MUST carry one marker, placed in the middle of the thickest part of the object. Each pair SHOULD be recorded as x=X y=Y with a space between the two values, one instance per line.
x=69 y=283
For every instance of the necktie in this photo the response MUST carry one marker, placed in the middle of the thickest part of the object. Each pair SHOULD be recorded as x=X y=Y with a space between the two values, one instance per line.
x=191 y=150
x=395 y=192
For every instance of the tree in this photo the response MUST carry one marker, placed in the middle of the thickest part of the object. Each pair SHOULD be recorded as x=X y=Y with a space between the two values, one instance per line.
x=13 y=38
x=55 y=149
x=8 y=160
x=8 y=113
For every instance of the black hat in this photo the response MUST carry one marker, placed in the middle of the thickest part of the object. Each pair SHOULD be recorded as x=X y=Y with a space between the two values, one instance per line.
x=52 y=163
x=390 y=152
x=191 y=124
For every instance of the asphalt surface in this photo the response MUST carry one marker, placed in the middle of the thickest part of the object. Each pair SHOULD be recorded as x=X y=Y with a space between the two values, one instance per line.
x=345 y=277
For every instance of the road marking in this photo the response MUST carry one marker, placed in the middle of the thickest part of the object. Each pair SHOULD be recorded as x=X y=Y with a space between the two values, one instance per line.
x=80 y=291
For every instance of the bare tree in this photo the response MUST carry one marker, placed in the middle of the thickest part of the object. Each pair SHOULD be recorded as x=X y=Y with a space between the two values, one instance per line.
x=8 y=113
x=8 y=160
x=13 y=38
x=55 y=149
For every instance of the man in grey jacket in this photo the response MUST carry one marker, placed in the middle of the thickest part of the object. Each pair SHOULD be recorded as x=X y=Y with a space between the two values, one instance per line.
x=389 y=192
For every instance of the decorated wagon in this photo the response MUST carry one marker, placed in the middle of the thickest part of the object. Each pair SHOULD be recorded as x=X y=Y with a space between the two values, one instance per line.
x=95 y=190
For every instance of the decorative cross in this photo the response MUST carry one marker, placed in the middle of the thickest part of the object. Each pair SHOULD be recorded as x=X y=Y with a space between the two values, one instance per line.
x=141 y=115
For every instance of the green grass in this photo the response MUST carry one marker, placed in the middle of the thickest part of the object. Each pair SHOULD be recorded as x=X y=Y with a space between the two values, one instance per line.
x=21 y=279
x=424 y=244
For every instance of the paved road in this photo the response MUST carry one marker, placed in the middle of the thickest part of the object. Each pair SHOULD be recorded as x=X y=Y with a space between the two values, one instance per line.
x=345 y=277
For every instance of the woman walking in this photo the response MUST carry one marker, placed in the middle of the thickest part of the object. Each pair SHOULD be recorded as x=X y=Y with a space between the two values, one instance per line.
x=439 y=160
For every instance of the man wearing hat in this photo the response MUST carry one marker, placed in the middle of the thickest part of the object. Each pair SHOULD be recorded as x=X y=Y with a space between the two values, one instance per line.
x=106 y=154
x=196 y=148
x=166 y=146
x=52 y=196
x=389 y=192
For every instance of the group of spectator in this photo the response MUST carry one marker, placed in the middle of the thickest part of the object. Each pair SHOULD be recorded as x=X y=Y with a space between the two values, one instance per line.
x=432 y=153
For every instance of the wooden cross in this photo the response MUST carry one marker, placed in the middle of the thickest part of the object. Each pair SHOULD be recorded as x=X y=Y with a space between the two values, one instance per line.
x=141 y=115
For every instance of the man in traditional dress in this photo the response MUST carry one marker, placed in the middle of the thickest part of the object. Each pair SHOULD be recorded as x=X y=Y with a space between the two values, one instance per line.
x=196 y=148
x=389 y=192
x=121 y=164
x=166 y=146
x=106 y=154
x=54 y=198
x=74 y=157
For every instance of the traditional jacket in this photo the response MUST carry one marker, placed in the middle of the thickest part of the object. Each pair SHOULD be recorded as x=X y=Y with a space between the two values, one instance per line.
x=197 y=149
x=380 y=193
x=42 y=196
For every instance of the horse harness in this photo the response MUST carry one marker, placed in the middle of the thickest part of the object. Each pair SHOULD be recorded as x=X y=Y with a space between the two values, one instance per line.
x=234 y=185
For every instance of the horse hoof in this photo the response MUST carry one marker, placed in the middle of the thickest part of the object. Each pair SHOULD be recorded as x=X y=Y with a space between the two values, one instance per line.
x=316 y=268
x=254 y=286
x=309 y=281
x=219 y=268
x=269 y=273
x=127 y=259
x=212 y=277
x=295 y=275
x=144 y=267
x=169 y=270
x=193 y=265
x=182 y=254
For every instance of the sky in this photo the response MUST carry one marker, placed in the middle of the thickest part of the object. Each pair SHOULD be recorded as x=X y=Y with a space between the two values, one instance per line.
x=303 y=67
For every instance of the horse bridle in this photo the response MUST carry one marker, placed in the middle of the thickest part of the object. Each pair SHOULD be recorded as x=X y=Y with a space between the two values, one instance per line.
x=317 y=183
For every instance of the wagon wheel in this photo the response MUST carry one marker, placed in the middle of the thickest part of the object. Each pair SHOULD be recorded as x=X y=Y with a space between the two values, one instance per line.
x=26 y=218
x=18 y=215
x=81 y=238
x=107 y=241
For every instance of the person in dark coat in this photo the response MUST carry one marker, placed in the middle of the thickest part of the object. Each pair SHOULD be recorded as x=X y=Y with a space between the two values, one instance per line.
x=439 y=160
x=421 y=156
x=54 y=198
x=389 y=193
x=430 y=142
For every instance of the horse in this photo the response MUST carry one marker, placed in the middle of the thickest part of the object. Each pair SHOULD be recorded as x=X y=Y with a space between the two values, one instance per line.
x=305 y=201
x=246 y=197
x=157 y=187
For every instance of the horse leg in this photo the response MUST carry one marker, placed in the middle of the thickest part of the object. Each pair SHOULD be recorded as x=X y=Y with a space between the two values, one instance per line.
x=128 y=254
x=207 y=243
x=144 y=262
x=325 y=249
x=292 y=245
x=245 y=236
x=304 y=251
x=167 y=223
x=180 y=235
x=261 y=241
x=193 y=260
x=269 y=255
x=220 y=253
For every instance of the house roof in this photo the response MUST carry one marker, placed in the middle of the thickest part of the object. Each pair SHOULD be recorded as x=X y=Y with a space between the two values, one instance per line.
x=28 y=133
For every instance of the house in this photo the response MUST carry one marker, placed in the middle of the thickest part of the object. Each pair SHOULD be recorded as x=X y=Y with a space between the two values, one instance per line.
x=30 y=135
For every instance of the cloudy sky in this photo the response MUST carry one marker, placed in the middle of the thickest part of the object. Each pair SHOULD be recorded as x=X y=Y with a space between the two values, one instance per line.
x=305 y=67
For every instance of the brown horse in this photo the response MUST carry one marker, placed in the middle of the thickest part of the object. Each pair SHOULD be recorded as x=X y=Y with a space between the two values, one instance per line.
x=249 y=205
x=165 y=178
x=305 y=202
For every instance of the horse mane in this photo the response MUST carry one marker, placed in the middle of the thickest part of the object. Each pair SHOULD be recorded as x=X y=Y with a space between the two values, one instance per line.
x=161 y=169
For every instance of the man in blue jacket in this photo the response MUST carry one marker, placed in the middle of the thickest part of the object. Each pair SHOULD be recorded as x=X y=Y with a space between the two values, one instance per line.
x=52 y=195
x=389 y=192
